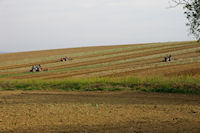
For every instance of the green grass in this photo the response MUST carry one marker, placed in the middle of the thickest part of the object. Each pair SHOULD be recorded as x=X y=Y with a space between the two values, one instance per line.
x=183 y=84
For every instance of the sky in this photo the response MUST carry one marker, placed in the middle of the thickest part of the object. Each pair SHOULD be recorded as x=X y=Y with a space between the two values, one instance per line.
x=27 y=25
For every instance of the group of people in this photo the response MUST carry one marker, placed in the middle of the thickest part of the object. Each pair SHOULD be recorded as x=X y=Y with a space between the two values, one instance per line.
x=167 y=58
x=37 y=68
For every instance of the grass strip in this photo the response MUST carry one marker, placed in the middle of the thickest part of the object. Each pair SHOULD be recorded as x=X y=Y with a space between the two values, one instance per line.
x=181 y=84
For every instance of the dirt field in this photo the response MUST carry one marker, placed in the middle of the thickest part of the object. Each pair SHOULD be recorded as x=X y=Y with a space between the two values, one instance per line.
x=124 y=111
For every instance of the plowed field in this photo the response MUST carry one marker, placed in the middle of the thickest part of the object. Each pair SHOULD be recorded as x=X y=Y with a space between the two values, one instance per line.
x=119 y=112
x=121 y=60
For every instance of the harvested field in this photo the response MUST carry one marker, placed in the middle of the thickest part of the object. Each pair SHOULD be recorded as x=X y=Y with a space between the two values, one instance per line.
x=44 y=111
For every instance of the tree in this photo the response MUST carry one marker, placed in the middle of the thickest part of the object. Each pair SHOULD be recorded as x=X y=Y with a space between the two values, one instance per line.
x=192 y=12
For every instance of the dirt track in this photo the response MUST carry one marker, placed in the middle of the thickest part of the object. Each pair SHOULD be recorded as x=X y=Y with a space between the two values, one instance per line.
x=42 y=111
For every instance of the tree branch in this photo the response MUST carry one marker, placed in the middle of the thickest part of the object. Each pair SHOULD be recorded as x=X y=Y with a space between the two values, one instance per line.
x=177 y=3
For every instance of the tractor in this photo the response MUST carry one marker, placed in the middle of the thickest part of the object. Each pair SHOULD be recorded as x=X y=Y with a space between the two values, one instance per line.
x=65 y=59
x=38 y=68
x=167 y=58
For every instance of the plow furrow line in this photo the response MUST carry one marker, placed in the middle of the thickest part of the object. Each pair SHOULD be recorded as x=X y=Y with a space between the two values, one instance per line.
x=53 y=59
x=86 y=71
x=155 y=65
x=106 y=68
x=128 y=56
x=123 y=60
x=27 y=65
x=128 y=68
x=32 y=57
x=131 y=49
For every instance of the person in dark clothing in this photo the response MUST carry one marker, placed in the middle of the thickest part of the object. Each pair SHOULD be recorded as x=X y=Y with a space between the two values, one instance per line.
x=169 y=58
x=165 y=59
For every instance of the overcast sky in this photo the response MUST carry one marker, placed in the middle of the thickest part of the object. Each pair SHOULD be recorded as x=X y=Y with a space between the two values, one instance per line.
x=49 y=24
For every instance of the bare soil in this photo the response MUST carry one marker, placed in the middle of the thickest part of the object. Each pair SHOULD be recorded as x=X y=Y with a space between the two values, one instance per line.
x=125 y=111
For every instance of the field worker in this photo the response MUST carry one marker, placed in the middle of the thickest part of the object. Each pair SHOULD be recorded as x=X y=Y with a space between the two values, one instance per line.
x=165 y=59
x=169 y=58
x=36 y=68
x=33 y=67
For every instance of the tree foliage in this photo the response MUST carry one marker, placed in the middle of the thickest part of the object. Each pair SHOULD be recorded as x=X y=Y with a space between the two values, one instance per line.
x=192 y=12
